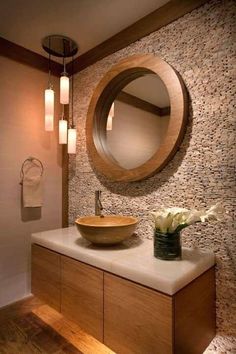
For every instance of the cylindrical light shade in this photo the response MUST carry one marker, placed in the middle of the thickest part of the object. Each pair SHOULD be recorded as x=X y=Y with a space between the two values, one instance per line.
x=62 y=131
x=110 y=117
x=49 y=109
x=109 y=122
x=71 y=147
x=64 y=89
x=112 y=110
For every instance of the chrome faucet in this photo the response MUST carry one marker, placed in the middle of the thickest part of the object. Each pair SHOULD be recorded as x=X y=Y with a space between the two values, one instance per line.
x=98 y=203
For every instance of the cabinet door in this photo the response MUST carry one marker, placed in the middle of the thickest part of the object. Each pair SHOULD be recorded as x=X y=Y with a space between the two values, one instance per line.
x=136 y=319
x=45 y=275
x=195 y=315
x=82 y=295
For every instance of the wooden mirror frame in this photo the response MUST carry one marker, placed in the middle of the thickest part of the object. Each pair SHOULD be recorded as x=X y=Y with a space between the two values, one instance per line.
x=105 y=93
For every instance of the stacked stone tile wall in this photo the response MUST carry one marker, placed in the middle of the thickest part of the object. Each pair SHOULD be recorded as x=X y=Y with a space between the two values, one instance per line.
x=201 y=47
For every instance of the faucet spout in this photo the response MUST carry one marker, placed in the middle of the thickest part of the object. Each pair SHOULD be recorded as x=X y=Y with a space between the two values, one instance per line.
x=98 y=203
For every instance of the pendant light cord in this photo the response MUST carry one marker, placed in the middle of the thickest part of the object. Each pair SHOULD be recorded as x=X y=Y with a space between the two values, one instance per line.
x=64 y=65
x=64 y=60
x=72 y=93
x=49 y=65
x=63 y=111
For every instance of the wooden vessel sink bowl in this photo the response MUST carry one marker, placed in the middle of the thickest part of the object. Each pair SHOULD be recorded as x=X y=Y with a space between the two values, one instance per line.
x=106 y=230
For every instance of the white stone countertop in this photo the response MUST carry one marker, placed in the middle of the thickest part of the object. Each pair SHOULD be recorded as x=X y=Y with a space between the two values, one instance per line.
x=133 y=259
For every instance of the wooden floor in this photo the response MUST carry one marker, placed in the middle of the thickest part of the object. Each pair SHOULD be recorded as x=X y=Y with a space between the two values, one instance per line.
x=31 y=327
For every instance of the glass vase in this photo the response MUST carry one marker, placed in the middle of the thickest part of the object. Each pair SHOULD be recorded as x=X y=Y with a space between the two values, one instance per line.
x=167 y=246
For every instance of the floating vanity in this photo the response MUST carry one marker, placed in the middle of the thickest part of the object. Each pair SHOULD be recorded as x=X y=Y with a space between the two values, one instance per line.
x=123 y=296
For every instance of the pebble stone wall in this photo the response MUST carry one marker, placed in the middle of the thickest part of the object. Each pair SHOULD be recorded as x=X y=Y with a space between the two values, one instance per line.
x=201 y=47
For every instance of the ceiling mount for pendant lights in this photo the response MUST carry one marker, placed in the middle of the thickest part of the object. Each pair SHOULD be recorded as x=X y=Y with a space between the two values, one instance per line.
x=61 y=47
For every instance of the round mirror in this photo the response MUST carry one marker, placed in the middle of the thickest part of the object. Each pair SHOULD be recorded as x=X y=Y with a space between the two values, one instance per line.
x=136 y=118
x=137 y=121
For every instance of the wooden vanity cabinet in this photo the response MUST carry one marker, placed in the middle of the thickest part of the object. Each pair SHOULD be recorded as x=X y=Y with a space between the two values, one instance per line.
x=194 y=316
x=144 y=321
x=82 y=295
x=136 y=319
x=126 y=316
x=46 y=276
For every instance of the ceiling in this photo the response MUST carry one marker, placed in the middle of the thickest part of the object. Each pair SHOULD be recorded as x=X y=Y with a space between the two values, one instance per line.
x=88 y=22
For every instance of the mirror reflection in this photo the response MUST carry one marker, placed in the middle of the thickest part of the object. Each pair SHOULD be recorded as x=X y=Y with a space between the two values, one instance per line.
x=138 y=120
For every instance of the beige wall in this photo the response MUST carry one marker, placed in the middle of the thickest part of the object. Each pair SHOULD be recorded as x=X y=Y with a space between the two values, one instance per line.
x=21 y=135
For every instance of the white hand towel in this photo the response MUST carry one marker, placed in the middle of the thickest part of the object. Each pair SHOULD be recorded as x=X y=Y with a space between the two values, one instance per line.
x=32 y=191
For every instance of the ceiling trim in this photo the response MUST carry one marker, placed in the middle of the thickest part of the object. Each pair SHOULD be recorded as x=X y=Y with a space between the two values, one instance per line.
x=146 y=106
x=164 y=15
x=25 y=56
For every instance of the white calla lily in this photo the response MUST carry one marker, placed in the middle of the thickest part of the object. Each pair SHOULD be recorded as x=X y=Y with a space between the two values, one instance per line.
x=171 y=220
x=216 y=212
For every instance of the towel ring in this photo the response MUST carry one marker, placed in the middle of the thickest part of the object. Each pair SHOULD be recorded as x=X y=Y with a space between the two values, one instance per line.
x=30 y=159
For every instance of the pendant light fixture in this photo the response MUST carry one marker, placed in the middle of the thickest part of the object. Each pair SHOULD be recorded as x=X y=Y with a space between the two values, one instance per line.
x=49 y=99
x=71 y=147
x=64 y=81
x=49 y=109
x=62 y=47
x=63 y=129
